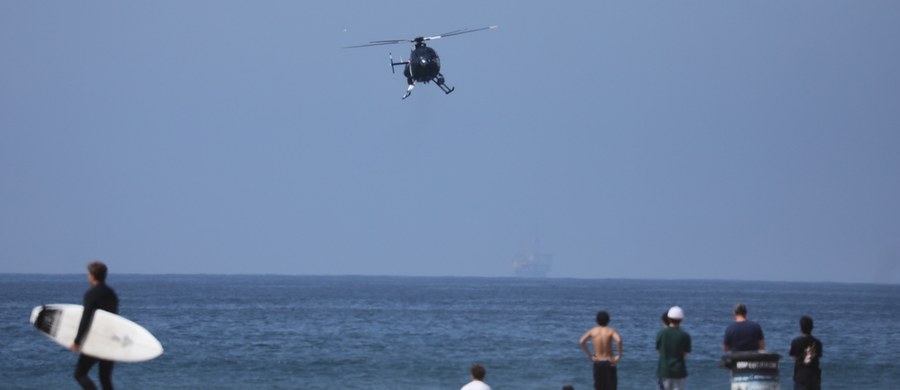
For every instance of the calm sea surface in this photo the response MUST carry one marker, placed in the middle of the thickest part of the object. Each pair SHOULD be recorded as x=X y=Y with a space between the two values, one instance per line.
x=314 y=332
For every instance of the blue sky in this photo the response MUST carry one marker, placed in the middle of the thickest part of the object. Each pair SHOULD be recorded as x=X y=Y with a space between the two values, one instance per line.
x=712 y=140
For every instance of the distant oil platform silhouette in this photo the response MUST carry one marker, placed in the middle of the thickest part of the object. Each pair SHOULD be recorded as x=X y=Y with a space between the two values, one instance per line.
x=533 y=263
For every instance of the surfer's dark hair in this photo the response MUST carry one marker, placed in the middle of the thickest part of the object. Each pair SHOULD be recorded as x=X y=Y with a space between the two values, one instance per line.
x=98 y=271
x=478 y=372
x=806 y=324
x=602 y=318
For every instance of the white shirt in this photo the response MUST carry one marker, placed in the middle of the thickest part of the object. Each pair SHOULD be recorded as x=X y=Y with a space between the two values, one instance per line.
x=476 y=385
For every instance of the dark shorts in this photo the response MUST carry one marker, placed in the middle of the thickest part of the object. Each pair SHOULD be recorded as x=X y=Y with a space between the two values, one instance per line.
x=605 y=376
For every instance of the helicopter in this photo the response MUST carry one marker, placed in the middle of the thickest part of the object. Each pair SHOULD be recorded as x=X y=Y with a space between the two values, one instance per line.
x=423 y=65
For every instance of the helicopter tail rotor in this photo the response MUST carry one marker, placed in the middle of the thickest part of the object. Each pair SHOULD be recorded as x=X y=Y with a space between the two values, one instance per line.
x=393 y=64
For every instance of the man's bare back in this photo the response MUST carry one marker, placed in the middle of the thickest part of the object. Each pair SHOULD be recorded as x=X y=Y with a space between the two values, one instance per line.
x=602 y=338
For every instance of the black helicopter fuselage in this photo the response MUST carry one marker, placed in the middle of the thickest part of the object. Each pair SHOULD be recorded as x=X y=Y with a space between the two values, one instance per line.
x=424 y=64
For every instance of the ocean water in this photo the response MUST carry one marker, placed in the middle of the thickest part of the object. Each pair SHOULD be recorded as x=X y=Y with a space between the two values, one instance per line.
x=315 y=332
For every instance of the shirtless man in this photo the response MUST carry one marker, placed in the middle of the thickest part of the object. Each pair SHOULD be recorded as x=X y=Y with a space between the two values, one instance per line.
x=602 y=338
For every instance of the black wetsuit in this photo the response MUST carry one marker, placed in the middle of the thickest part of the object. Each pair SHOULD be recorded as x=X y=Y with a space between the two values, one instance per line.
x=98 y=297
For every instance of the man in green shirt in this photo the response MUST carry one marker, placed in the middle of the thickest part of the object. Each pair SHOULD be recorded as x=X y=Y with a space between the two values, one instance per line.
x=673 y=345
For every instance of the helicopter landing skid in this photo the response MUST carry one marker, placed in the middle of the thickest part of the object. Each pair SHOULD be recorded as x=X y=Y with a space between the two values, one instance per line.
x=439 y=80
x=408 y=91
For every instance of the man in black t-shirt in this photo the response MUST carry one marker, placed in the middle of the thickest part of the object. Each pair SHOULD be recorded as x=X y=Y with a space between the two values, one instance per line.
x=806 y=351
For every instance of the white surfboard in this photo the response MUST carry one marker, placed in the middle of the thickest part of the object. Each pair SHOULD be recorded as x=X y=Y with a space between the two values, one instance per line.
x=111 y=336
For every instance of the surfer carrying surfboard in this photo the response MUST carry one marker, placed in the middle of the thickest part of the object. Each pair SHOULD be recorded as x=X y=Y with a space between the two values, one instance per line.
x=99 y=296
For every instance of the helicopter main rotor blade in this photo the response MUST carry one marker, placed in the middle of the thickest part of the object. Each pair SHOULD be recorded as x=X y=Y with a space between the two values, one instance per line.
x=379 y=43
x=458 y=32
x=418 y=39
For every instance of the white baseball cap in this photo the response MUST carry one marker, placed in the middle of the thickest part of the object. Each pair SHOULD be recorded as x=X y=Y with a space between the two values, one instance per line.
x=675 y=313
